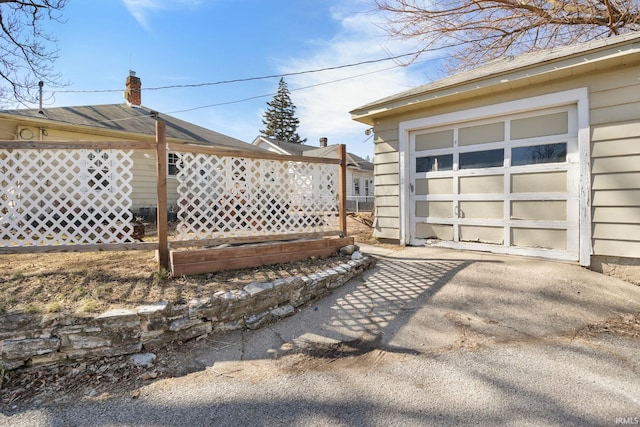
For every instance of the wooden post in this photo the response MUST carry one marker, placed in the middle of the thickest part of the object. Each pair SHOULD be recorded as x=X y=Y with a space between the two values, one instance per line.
x=342 y=189
x=161 y=170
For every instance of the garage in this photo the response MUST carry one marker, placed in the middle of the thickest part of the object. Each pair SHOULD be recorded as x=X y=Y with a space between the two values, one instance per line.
x=507 y=184
x=534 y=155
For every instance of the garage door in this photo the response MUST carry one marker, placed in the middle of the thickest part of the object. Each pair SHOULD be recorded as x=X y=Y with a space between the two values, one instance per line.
x=507 y=184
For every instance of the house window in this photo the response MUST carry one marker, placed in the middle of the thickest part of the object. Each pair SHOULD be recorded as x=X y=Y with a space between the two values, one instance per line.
x=99 y=176
x=366 y=186
x=173 y=161
x=356 y=186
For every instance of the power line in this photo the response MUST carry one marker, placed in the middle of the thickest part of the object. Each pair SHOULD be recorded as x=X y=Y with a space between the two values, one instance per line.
x=247 y=79
x=272 y=94
x=291 y=90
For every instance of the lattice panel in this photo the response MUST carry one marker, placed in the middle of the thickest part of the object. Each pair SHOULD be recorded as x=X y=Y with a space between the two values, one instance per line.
x=65 y=197
x=226 y=197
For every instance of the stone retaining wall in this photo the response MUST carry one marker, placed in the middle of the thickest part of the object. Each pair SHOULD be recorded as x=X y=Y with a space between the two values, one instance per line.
x=33 y=340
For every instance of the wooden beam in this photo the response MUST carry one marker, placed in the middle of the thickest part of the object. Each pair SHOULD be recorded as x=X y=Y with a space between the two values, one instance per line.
x=174 y=244
x=200 y=149
x=161 y=170
x=93 y=145
x=212 y=260
x=103 y=247
x=342 y=190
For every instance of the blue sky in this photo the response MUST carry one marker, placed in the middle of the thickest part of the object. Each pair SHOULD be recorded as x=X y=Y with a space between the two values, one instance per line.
x=182 y=42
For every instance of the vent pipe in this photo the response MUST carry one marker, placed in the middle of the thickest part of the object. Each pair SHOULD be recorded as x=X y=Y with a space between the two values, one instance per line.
x=41 y=84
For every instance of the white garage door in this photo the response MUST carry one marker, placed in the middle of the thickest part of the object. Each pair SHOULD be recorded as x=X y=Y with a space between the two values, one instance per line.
x=506 y=184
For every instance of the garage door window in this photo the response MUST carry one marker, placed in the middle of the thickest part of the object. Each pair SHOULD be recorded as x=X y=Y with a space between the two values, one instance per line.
x=434 y=163
x=547 y=153
x=482 y=159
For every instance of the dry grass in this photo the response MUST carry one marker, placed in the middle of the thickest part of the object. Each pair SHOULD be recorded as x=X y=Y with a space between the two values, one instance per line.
x=93 y=282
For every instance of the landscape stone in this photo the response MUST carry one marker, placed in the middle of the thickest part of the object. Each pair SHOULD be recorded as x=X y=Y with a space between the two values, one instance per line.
x=34 y=340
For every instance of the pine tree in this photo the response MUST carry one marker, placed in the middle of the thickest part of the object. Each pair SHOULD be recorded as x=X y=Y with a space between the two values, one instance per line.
x=280 y=119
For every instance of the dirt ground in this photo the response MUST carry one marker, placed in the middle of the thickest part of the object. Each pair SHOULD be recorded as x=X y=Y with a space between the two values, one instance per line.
x=93 y=282
x=96 y=281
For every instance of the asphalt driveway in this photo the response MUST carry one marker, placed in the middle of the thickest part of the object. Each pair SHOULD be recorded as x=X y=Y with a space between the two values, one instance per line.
x=428 y=337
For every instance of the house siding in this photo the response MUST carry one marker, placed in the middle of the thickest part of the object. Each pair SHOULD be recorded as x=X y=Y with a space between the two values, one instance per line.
x=614 y=102
x=386 y=181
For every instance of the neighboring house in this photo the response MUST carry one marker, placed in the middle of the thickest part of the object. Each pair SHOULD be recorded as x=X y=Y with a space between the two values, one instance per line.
x=359 y=171
x=127 y=121
x=534 y=155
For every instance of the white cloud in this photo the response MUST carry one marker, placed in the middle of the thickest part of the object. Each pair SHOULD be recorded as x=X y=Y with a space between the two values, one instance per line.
x=140 y=9
x=324 y=110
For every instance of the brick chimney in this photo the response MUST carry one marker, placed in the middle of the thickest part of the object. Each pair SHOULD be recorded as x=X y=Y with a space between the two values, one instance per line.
x=133 y=92
x=323 y=141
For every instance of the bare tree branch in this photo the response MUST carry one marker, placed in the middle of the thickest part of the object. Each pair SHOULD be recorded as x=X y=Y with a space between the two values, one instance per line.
x=27 y=53
x=482 y=30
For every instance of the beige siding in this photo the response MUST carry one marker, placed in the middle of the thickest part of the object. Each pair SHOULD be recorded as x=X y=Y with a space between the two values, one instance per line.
x=614 y=247
x=144 y=180
x=615 y=112
x=616 y=198
x=615 y=152
x=387 y=168
x=387 y=201
x=608 y=165
x=616 y=214
x=616 y=180
x=615 y=147
x=616 y=231
x=8 y=130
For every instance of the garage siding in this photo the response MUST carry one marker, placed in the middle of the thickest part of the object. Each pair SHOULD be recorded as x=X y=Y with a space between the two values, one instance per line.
x=386 y=182
x=614 y=99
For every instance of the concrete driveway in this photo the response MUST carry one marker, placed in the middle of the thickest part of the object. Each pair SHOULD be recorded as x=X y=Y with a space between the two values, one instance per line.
x=428 y=337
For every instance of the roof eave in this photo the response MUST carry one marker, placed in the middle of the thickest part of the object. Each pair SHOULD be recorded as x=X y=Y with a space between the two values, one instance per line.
x=596 y=59
x=109 y=133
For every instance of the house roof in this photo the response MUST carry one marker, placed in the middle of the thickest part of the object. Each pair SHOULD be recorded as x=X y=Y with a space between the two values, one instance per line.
x=295 y=149
x=291 y=148
x=125 y=118
x=508 y=71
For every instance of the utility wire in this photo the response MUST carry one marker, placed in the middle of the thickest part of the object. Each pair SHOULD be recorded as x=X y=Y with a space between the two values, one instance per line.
x=270 y=94
x=290 y=90
x=247 y=79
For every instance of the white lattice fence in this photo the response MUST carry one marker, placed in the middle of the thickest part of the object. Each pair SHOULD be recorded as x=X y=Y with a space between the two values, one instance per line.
x=53 y=197
x=231 y=197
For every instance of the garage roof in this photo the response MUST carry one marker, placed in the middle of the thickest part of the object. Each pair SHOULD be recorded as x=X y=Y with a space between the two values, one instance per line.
x=504 y=71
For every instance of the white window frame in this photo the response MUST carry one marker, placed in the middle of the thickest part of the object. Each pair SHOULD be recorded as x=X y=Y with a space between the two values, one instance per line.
x=578 y=97
x=175 y=163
